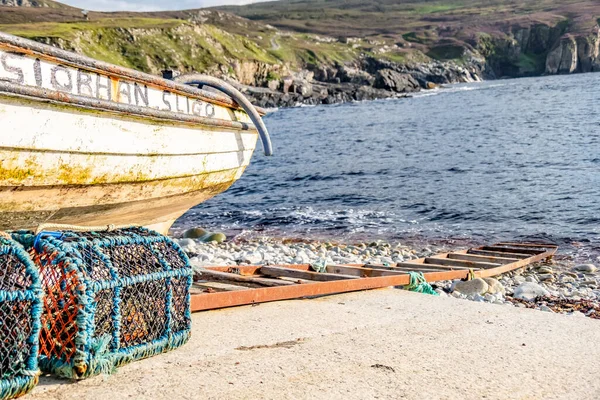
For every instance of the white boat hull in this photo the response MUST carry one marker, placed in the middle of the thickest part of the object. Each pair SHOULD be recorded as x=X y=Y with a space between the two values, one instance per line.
x=92 y=169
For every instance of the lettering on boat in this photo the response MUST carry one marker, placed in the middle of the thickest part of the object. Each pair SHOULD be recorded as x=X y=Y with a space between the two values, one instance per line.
x=24 y=69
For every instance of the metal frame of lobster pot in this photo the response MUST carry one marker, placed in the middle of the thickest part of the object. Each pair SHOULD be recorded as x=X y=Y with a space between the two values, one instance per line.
x=20 y=314
x=111 y=297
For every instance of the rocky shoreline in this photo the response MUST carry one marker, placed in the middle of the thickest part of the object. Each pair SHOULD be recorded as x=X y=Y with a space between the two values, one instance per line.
x=366 y=79
x=555 y=286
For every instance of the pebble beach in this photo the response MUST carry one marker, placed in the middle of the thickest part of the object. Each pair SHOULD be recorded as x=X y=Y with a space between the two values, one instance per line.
x=557 y=286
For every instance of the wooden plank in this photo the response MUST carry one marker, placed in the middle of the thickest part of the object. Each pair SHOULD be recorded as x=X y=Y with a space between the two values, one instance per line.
x=242 y=278
x=517 y=264
x=219 y=286
x=394 y=268
x=360 y=271
x=310 y=275
x=530 y=245
x=460 y=263
x=375 y=266
x=293 y=280
x=472 y=257
x=247 y=270
x=519 y=250
x=498 y=254
x=438 y=267
x=422 y=268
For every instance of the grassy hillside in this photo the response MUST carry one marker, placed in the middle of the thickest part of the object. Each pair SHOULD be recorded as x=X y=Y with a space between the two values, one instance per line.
x=263 y=41
x=192 y=41
x=397 y=19
x=515 y=36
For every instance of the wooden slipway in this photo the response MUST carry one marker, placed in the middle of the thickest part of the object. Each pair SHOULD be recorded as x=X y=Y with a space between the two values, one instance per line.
x=218 y=287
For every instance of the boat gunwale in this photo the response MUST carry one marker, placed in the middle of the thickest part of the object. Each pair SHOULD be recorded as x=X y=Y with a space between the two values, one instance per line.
x=41 y=95
x=26 y=46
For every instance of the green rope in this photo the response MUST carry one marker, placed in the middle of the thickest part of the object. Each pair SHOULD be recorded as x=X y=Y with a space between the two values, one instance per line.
x=320 y=265
x=471 y=275
x=419 y=284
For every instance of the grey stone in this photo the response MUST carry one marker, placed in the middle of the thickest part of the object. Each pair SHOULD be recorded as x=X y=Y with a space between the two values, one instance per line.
x=489 y=298
x=302 y=258
x=545 y=270
x=216 y=237
x=394 y=81
x=253 y=258
x=186 y=242
x=545 y=277
x=567 y=279
x=546 y=309
x=494 y=286
x=586 y=268
x=476 y=297
x=529 y=291
x=194 y=233
x=472 y=287
x=518 y=279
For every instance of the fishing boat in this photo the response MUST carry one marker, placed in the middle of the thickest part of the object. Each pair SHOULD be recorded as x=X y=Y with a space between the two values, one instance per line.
x=84 y=142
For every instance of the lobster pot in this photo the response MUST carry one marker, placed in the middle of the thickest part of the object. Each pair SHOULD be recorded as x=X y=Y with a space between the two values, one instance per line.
x=20 y=312
x=110 y=298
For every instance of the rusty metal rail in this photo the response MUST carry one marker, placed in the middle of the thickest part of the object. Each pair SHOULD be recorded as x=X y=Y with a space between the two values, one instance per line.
x=219 y=287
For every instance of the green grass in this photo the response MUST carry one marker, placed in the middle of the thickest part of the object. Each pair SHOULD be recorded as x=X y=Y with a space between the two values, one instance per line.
x=376 y=17
x=172 y=43
x=446 y=52
x=531 y=63
x=435 y=8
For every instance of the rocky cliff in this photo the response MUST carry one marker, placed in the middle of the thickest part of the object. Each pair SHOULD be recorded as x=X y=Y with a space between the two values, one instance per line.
x=541 y=49
x=366 y=78
x=575 y=54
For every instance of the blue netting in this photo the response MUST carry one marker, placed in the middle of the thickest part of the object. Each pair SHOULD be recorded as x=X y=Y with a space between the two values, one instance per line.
x=111 y=298
x=20 y=311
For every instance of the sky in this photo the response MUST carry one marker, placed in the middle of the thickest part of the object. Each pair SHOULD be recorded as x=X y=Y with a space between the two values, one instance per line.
x=149 y=5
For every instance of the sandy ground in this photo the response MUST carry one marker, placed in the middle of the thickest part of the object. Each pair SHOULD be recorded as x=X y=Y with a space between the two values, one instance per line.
x=379 y=344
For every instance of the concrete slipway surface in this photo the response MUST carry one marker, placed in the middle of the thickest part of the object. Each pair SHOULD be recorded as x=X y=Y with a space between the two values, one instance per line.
x=387 y=344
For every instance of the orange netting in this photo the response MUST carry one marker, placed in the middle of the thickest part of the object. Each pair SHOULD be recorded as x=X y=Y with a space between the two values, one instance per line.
x=59 y=327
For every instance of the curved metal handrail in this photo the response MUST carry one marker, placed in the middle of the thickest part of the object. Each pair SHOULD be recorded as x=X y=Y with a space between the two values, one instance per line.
x=238 y=97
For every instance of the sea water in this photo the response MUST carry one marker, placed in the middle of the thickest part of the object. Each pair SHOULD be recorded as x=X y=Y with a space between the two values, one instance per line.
x=472 y=163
